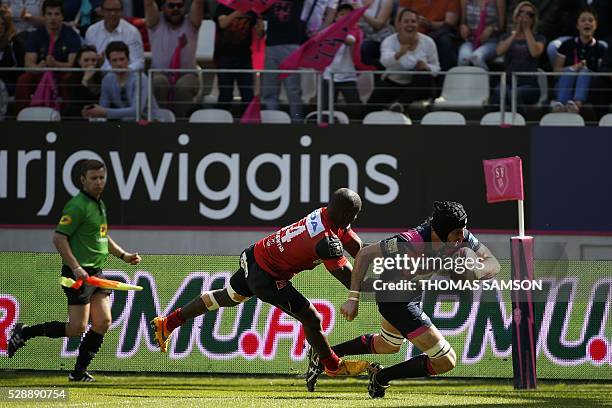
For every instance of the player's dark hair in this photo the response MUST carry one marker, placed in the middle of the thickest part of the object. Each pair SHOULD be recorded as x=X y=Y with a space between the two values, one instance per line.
x=343 y=206
x=446 y=217
x=117 y=46
x=53 y=4
x=87 y=165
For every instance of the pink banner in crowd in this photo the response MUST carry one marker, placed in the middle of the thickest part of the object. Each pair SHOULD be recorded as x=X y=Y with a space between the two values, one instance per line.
x=319 y=51
x=258 y=6
x=252 y=113
x=504 y=179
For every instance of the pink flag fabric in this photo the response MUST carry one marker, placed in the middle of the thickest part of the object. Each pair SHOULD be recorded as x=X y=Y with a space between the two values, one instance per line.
x=258 y=51
x=46 y=91
x=504 y=179
x=258 y=6
x=482 y=24
x=253 y=112
x=175 y=61
x=319 y=51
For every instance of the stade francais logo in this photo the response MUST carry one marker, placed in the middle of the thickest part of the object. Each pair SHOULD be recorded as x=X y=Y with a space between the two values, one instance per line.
x=476 y=324
x=218 y=200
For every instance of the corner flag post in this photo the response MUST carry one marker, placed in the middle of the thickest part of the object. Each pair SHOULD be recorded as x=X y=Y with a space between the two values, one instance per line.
x=504 y=182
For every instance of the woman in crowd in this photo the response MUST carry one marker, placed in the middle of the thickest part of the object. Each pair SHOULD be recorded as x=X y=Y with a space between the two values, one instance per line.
x=12 y=50
x=582 y=54
x=376 y=26
x=82 y=88
x=521 y=49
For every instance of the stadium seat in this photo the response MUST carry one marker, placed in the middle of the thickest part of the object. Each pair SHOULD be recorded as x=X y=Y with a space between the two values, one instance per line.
x=386 y=118
x=443 y=118
x=308 y=82
x=365 y=85
x=205 y=52
x=165 y=116
x=39 y=114
x=211 y=116
x=494 y=119
x=606 y=120
x=464 y=87
x=562 y=119
x=339 y=117
x=275 y=116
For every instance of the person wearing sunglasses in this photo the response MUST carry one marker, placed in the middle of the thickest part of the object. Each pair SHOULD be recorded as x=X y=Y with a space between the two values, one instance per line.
x=521 y=49
x=174 y=39
x=113 y=28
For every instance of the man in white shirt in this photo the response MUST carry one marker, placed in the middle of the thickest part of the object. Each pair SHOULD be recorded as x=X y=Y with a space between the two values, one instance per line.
x=114 y=28
x=174 y=40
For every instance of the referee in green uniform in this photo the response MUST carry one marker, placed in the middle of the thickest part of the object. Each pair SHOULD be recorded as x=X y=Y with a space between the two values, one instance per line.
x=82 y=240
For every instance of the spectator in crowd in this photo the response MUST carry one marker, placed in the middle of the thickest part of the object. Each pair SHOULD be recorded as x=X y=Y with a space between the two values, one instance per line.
x=376 y=26
x=113 y=28
x=316 y=15
x=582 y=54
x=12 y=50
x=407 y=50
x=233 y=51
x=482 y=23
x=67 y=44
x=174 y=39
x=26 y=15
x=119 y=91
x=521 y=49
x=565 y=21
x=548 y=17
x=347 y=58
x=281 y=40
x=81 y=14
x=439 y=20
x=82 y=88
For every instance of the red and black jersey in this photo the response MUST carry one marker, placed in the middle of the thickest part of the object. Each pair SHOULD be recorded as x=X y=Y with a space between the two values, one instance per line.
x=303 y=245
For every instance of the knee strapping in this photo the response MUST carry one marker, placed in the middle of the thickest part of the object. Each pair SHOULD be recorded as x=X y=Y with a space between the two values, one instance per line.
x=392 y=339
x=441 y=349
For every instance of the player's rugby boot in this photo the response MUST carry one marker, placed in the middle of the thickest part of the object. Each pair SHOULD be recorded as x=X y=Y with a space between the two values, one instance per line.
x=81 y=376
x=315 y=368
x=349 y=367
x=16 y=341
x=374 y=388
x=161 y=334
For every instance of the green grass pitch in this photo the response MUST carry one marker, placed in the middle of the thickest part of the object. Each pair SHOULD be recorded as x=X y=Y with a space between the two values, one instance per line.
x=171 y=391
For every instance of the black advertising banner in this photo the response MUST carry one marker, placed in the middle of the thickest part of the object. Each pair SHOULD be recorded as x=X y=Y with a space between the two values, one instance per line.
x=253 y=176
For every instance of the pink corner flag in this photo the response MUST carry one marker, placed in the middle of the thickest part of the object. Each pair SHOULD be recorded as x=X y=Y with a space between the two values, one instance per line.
x=504 y=179
x=319 y=51
x=253 y=112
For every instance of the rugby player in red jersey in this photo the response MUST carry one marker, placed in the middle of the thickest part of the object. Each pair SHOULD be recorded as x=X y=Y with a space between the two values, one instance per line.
x=266 y=269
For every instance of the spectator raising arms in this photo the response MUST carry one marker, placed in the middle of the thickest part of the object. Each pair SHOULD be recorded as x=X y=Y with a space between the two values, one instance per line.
x=114 y=28
x=174 y=39
x=482 y=23
x=233 y=51
x=521 y=49
x=408 y=50
x=26 y=15
x=376 y=26
x=582 y=54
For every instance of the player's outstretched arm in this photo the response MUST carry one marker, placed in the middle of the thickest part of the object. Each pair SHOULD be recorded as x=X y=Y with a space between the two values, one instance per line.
x=362 y=261
x=486 y=264
x=127 y=257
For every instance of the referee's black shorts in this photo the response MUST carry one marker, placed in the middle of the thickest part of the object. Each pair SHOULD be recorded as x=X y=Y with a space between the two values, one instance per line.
x=251 y=280
x=82 y=296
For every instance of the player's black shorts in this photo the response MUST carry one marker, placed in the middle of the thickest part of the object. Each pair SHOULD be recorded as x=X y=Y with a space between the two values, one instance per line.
x=82 y=296
x=251 y=280
x=407 y=317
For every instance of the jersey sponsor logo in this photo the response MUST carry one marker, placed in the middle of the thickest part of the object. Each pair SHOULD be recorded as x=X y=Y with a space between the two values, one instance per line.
x=103 y=230
x=314 y=224
x=391 y=245
x=65 y=220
